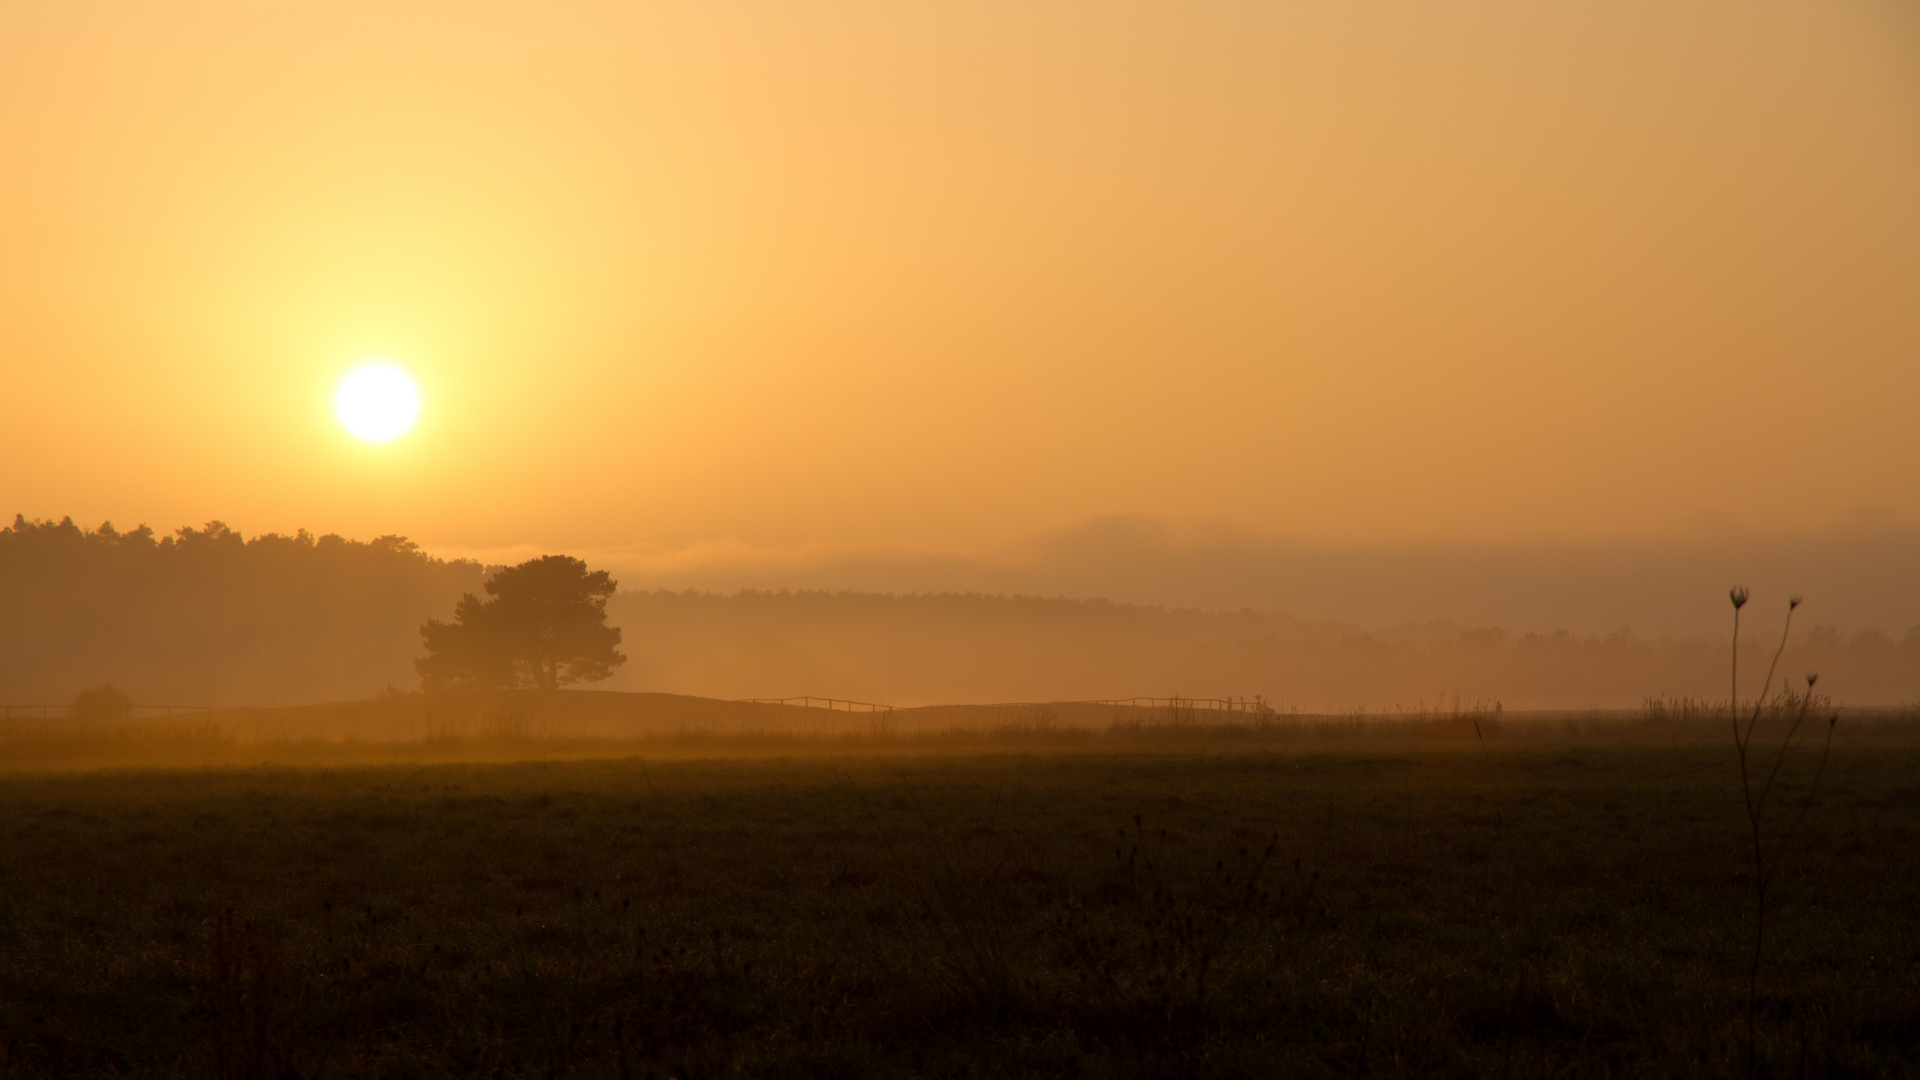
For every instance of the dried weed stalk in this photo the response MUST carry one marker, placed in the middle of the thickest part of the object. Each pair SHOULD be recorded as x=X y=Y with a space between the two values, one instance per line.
x=1766 y=863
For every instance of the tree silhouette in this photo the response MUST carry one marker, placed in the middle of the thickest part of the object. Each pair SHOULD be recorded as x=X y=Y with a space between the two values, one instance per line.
x=544 y=625
x=101 y=702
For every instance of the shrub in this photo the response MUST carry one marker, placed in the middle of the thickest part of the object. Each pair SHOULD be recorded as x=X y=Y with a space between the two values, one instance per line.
x=101 y=703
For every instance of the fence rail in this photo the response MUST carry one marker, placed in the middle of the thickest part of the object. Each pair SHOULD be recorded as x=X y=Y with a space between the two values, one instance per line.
x=841 y=704
x=1254 y=704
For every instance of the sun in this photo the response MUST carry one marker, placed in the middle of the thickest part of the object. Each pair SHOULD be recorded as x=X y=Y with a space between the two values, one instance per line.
x=377 y=402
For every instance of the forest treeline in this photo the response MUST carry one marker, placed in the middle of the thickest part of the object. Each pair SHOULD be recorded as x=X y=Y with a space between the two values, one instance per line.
x=206 y=616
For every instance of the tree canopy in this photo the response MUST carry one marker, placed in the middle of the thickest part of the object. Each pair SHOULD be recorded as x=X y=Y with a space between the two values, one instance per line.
x=208 y=617
x=544 y=625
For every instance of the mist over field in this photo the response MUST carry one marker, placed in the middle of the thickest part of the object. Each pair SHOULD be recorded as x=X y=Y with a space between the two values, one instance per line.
x=1859 y=577
x=209 y=617
x=928 y=649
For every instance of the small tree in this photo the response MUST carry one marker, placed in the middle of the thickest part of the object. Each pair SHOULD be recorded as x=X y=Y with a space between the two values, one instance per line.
x=543 y=625
x=101 y=702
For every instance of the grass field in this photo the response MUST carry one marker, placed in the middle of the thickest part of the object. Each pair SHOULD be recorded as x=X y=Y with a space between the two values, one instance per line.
x=1550 y=905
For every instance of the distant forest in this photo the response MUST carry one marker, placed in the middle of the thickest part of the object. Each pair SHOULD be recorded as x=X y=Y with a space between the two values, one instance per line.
x=205 y=616
x=927 y=649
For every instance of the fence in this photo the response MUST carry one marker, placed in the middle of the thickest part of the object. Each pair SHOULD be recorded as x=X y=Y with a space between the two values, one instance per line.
x=1254 y=704
x=825 y=703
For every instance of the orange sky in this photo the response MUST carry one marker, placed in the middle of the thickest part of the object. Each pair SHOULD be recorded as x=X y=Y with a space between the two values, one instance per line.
x=944 y=277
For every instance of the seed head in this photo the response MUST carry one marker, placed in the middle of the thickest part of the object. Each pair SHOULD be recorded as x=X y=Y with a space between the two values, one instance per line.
x=1812 y=677
x=1738 y=594
x=1792 y=602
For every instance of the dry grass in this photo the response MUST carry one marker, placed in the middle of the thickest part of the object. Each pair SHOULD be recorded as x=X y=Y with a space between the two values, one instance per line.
x=577 y=726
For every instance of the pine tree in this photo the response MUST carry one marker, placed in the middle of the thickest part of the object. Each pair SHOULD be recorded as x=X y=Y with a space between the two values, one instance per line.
x=543 y=625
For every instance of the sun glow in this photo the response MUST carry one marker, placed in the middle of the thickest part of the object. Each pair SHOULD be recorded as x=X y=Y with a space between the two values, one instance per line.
x=377 y=402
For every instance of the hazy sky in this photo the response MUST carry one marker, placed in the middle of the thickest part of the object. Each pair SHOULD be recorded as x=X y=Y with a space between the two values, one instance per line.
x=939 y=278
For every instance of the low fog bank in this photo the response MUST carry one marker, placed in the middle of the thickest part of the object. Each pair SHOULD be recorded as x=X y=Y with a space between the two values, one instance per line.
x=1866 y=577
x=914 y=650
x=209 y=617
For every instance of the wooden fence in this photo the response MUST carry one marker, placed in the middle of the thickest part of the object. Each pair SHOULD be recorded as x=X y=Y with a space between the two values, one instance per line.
x=841 y=704
x=1254 y=704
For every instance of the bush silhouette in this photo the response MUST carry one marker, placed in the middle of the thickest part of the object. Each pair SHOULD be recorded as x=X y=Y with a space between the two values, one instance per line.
x=101 y=703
